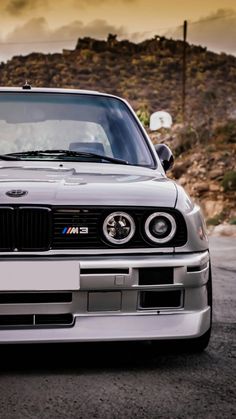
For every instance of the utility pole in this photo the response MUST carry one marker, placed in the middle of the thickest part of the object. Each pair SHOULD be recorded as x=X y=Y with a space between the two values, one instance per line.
x=184 y=72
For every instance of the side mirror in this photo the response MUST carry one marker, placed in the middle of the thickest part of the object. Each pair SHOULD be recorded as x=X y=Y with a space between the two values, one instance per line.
x=159 y=120
x=165 y=155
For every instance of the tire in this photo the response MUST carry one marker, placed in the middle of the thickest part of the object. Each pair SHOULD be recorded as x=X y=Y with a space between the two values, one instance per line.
x=197 y=344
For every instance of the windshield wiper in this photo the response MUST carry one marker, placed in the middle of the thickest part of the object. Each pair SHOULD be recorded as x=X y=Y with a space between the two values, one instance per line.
x=60 y=154
x=8 y=157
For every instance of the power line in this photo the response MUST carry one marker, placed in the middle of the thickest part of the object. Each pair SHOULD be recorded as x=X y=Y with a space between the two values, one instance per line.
x=58 y=41
x=210 y=19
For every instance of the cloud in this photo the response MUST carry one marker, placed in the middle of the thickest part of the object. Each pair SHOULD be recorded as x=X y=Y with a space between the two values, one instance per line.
x=92 y=3
x=38 y=29
x=217 y=31
x=34 y=30
x=18 y=7
x=36 y=35
x=219 y=14
x=98 y=28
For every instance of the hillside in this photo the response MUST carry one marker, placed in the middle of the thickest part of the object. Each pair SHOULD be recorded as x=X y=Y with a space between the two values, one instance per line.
x=149 y=76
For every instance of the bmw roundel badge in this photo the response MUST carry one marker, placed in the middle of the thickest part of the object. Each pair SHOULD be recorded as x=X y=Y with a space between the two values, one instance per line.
x=16 y=193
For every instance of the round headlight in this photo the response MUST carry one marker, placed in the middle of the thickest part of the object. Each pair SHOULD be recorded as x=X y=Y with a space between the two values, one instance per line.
x=160 y=227
x=118 y=227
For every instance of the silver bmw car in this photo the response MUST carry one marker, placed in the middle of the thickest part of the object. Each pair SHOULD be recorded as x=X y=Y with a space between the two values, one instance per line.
x=96 y=243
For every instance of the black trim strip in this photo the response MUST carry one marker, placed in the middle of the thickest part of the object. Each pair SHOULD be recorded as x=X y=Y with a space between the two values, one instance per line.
x=35 y=298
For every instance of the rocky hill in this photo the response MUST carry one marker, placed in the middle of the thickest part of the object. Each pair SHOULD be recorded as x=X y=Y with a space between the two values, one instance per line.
x=149 y=76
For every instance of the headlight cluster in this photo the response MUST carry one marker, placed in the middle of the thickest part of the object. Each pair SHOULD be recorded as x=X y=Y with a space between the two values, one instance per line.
x=119 y=227
x=160 y=227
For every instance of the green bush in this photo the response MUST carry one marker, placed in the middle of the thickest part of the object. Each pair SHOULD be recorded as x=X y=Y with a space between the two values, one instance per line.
x=229 y=181
x=214 y=221
x=86 y=54
x=187 y=138
x=144 y=116
x=227 y=132
x=232 y=221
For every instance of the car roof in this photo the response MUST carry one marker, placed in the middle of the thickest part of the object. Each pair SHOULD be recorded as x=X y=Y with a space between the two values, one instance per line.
x=31 y=89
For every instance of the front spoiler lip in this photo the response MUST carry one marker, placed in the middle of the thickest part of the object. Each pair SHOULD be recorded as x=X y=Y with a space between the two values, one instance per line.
x=183 y=325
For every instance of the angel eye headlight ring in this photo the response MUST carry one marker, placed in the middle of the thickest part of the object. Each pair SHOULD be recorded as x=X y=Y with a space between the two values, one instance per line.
x=118 y=227
x=160 y=227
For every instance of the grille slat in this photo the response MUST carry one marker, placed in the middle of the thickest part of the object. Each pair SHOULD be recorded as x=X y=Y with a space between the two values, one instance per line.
x=34 y=225
x=25 y=228
x=6 y=228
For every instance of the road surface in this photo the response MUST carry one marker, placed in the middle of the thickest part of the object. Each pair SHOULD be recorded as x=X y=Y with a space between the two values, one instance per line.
x=129 y=380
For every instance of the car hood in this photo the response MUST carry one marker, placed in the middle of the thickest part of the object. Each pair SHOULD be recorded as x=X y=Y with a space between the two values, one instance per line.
x=85 y=184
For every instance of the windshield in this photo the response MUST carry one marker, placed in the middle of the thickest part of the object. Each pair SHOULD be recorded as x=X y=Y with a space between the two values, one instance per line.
x=76 y=122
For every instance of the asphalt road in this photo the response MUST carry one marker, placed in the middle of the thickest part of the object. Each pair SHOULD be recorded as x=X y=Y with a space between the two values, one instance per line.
x=129 y=380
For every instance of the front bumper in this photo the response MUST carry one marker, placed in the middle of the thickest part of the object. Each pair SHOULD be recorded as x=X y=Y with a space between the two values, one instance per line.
x=105 y=303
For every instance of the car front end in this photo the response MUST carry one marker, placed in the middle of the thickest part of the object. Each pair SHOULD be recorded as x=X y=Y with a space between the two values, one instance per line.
x=91 y=250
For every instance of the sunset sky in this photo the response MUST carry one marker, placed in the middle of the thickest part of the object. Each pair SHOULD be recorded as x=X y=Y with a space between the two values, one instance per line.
x=50 y=25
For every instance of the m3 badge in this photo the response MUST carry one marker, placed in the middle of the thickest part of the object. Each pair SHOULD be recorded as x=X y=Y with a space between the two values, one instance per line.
x=75 y=230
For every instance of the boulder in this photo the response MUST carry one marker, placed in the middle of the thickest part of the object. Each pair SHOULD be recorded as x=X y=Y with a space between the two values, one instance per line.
x=224 y=230
x=201 y=187
x=216 y=173
x=213 y=187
